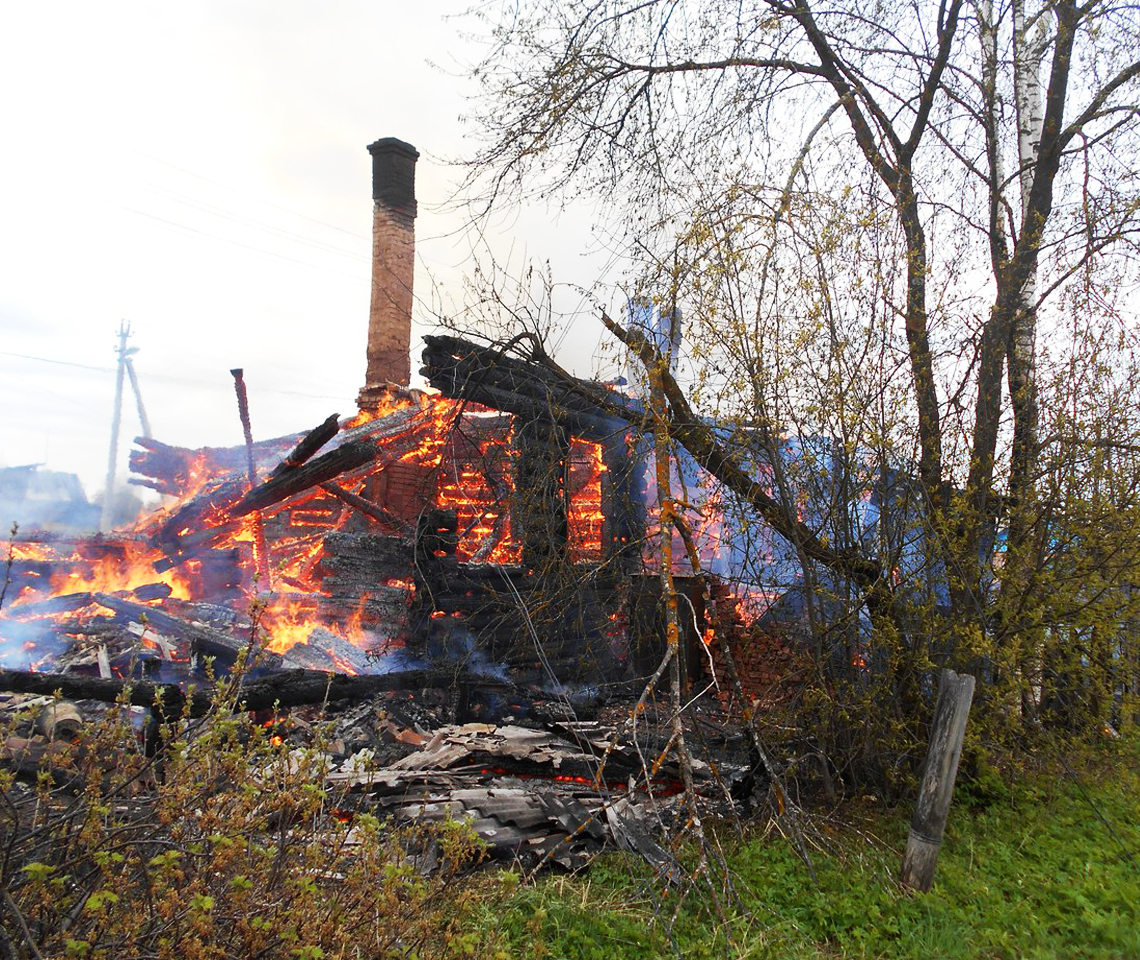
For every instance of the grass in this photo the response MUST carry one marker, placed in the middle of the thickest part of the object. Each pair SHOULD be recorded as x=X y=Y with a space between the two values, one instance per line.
x=1028 y=871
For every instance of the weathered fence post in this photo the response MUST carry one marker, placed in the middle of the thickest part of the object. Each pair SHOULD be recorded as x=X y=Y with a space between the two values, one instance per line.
x=955 y=694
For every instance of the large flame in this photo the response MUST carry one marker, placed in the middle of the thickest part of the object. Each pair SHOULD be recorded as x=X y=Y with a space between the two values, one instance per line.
x=121 y=567
x=193 y=549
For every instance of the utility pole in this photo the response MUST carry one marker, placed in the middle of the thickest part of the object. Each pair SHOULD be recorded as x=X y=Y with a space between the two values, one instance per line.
x=125 y=368
x=144 y=422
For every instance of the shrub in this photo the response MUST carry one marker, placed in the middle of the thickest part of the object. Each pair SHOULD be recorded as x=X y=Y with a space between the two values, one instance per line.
x=227 y=845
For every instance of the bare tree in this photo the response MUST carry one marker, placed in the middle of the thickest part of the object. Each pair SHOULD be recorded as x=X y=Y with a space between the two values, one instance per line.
x=880 y=214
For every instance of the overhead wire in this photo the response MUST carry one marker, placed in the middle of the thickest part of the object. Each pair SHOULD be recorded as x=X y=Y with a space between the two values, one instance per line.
x=238 y=243
x=270 y=228
x=237 y=190
x=168 y=378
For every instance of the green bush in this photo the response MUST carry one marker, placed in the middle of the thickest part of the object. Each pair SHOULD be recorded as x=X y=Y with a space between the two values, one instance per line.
x=230 y=847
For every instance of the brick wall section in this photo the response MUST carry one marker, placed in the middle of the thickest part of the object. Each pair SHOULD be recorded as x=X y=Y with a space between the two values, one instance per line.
x=771 y=669
x=390 y=316
x=406 y=489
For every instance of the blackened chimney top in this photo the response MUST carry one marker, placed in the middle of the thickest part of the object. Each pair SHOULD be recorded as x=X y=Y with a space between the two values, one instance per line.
x=394 y=175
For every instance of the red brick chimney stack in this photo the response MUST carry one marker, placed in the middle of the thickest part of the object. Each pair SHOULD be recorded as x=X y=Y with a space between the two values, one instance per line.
x=393 y=264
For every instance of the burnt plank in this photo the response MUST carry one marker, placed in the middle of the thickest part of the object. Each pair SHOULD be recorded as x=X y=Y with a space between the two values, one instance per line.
x=308 y=446
x=326 y=467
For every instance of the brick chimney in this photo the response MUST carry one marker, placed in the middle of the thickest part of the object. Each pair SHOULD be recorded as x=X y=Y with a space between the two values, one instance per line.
x=393 y=263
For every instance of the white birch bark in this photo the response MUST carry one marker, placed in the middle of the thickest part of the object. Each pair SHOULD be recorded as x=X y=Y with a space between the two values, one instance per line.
x=1029 y=42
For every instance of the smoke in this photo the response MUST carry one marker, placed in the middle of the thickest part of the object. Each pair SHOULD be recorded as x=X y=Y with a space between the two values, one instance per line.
x=451 y=645
x=26 y=645
x=397 y=661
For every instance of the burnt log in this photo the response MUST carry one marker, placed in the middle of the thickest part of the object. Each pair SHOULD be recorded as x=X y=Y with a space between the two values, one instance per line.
x=72 y=686
x=171 y=468
x=286 y=688
x=411 y=417
x=372 y=445
x=328 y=466
x=309 y=445
x=204 y=511
x=623 y=490
x=437 y=539
x=65 y=603
x=540 y=510
x=372 y=510
x=365 y=559
x=327 y=651
x=203 y=640
x=463 y=370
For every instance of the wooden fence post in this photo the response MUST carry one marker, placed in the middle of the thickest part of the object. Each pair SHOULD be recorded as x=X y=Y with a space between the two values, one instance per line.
x=955 y=694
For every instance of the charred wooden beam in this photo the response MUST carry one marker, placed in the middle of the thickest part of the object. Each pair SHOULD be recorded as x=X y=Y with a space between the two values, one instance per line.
x=540 y=513
x=173 y=467
x=204 y=511
x=437 y=539
x=623 y=499
x=327 y=467
x=369 y=509
x=367 y=558
x=65 y=603
x=372 y=445
x=467 y=371
x=285 y=688
x=170 y=469
x=309 y=445
x=205 y=641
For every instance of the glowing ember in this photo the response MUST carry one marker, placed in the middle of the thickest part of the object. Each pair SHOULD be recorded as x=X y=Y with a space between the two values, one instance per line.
x=585 y=514
x=26 y=551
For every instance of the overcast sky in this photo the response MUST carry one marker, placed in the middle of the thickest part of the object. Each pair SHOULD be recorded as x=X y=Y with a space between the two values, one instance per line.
x=199 y=169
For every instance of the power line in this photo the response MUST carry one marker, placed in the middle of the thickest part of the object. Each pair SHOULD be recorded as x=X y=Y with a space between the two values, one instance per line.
x=268 y=203
x=237 y=243
x=172 y=379
x=62 y=363
x=235 y=217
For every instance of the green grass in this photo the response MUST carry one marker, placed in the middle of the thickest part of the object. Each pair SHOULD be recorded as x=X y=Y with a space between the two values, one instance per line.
x=1031 y=873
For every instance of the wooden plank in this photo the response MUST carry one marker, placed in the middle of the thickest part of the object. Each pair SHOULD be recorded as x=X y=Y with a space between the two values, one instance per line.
x=955 y=694
x=309 y=445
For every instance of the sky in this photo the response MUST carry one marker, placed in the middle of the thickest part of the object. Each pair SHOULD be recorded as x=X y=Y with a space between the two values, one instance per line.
x=199 y=170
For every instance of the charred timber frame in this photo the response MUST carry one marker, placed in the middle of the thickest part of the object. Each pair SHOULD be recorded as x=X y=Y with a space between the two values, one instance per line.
x=541 y=514
x=462 y=370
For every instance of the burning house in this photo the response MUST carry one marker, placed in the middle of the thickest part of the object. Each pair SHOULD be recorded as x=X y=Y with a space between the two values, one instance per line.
x=495 y=526
x=477 y=547
x=485 y=545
